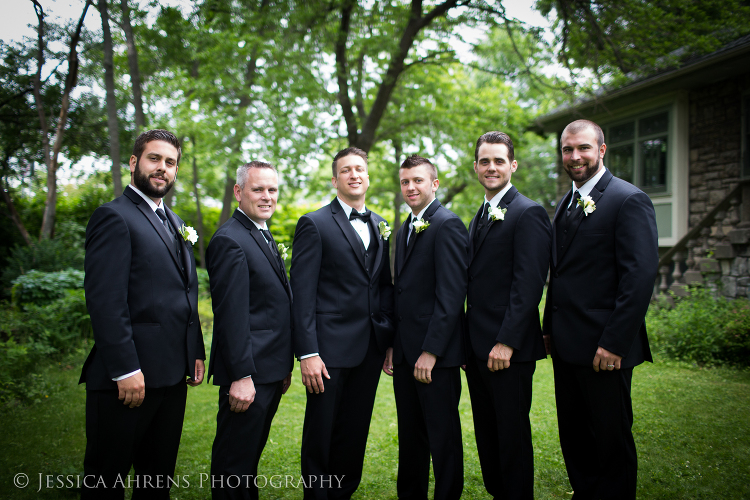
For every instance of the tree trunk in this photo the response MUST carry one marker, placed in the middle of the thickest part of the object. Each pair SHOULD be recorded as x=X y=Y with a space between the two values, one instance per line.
x=14 y=214
x=228 y=198
x=398 y=200
x=198 y=215
x=135 y=74
x=50 y=208
x=109 y=85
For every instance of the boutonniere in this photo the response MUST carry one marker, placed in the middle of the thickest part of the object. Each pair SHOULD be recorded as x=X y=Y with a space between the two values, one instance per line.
x=497 y=213
x=385 y=229
x=420 y=225
x=188 y=233
x=283 y=249
x=588 y=205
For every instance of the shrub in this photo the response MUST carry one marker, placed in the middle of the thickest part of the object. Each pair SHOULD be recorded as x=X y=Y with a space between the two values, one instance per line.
x=46 y=255
x=702 y=329
x=41 y=288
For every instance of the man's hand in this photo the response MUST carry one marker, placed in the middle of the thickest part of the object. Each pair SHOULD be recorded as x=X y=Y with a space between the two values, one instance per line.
x=423 y=368
x=200 y=370
x=499 y=357
x=286 y=383
x=313 y=369
x=132 y=390
x=241 y=394
x=547 y=344
x=605 y=360
x=388 y=363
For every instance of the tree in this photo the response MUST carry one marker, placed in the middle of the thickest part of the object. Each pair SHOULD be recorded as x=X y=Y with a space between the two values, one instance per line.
x=51 y=158
x=109 y=85
x=134 y=71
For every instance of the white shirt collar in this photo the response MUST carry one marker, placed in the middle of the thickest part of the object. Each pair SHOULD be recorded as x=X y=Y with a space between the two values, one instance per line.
x=251 y=220
x=585 y=190
x=150 y=202
x=495 y=201
x=348 y=209
x=421 y=213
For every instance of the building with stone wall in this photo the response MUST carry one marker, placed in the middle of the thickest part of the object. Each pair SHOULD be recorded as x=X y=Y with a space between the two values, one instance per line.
x=682 y=136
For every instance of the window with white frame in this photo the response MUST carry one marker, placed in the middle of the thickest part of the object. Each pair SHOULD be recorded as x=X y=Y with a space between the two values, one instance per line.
x=638 y=151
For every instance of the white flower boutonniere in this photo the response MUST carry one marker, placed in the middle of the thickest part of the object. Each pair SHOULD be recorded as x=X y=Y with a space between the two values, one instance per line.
x=188 y=233
x=497 y=213
x=283 y=249
x=420 y=225
x=385 y=229
x=588 y=205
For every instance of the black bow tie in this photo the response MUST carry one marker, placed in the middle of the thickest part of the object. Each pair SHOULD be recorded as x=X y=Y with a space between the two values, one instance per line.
x=365 y=217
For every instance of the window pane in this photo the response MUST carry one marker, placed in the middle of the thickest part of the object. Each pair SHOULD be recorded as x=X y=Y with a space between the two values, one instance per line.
x=619 y=133
x=653 y=124
x=654 y=162
x=619 y=160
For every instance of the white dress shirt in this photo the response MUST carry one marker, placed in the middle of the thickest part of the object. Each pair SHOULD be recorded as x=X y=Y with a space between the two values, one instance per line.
x=585 y=190
x=358 y=224
x=415 y=217
x=495 y=201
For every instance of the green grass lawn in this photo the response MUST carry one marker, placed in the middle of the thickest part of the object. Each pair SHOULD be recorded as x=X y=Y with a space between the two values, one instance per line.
x=691 y=429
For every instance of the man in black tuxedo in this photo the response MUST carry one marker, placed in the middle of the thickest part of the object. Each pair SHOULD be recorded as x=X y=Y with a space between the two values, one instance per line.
x=251 y=352
x=510 y=247
x=142 y=295
x=430 y=286
x=604 y=264
x=341 y=279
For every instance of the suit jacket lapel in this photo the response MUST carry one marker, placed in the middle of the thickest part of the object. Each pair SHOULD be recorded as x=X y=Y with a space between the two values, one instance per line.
x=561 y=207
x=260 y=240
x=339 y=215
x=504 y=202
x=596 y=193
x=155 y=221
x=427 y=216
x=401 y=246
x=472 y=228
x=378 y=255
x=185 y=248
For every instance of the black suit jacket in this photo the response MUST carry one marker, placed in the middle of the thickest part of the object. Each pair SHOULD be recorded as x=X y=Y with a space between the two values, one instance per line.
x=430 y=287
x=142 y=298
x=602 y=280
x=337 y=300
x=507 y=272
x=252 y=305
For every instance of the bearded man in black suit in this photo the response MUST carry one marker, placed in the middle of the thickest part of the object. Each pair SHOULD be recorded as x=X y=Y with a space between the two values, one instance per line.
x=142 y=295
x=603 y=268
x=341 y=279
x=430 y=286
x=251 y=352
x=509 y=249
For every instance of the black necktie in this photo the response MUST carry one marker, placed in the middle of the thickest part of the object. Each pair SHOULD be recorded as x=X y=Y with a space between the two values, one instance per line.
x=170 y=229
x=574 y=204
x=482 y=222
x=275 y=251
x=365 y=217
x=412 y=231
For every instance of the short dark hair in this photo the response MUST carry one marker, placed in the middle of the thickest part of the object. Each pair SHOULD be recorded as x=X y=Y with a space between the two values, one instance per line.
x=581 y=125
x=156 y=135
x=416 y=160
x=242 y=171
x=352 y=150
x=495 y=137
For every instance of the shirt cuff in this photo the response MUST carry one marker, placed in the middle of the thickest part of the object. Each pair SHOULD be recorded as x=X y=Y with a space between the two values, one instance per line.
x=127 y=375
x=308 y=356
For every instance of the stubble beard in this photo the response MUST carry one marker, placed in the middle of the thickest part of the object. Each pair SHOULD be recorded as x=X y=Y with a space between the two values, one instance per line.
x=141 y=181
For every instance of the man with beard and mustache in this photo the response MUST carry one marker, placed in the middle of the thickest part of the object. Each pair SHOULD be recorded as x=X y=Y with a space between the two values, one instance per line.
x=142 y=295
x=603 y=267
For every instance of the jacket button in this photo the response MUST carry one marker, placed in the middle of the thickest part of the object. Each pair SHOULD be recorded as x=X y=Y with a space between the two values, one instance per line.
x=399 y=318
x=469 y=306
x=188 y=289
x=190 y=324
x=471 y=277
x=554 y=308
x=372 y=314
x=370 y=286
x=566 y=231
x=557 y=275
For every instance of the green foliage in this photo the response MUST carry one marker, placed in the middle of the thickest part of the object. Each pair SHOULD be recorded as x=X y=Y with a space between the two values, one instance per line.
x=37 y=287
x=702 y=329
x=45 y=256
x=31 y=336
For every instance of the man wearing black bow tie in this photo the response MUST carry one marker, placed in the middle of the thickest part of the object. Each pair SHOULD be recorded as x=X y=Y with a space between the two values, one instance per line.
x=509 y=252
x=430 y=286
x=604 y=264
x=142 y=295
x=341 y=279
x=251 y=352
